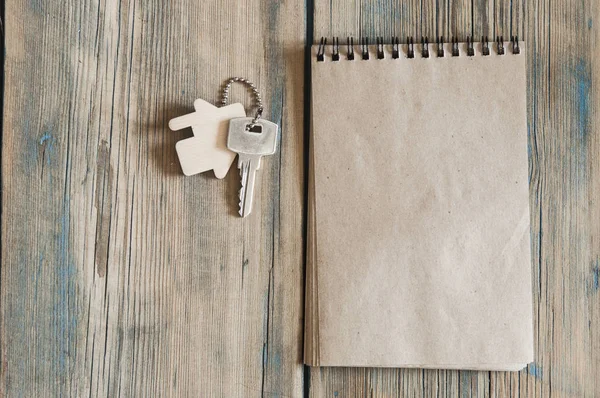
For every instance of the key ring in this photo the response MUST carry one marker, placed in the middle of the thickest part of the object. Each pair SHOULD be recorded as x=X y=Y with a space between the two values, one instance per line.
x=255 y=92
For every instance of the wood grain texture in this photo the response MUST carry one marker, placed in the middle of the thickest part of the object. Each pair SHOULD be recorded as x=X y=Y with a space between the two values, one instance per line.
x=120 y=276
x=563 y=40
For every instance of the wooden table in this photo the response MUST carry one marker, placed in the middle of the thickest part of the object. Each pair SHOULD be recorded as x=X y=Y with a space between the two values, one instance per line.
x=121 y=277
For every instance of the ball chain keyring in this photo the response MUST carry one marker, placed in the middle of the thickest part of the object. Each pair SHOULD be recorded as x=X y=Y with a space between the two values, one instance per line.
x=255 y=92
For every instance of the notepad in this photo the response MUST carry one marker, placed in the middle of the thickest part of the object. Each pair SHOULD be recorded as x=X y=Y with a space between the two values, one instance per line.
x=418 y=219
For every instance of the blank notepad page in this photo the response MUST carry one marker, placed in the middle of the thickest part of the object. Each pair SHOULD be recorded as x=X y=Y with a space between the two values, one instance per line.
x=419 y=239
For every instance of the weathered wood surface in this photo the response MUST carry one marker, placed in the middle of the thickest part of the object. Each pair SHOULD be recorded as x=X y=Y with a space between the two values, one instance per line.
x=563 y=44
x=122 y=277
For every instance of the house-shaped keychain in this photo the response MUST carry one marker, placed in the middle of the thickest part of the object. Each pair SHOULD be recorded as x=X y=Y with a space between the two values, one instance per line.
x=207 y=149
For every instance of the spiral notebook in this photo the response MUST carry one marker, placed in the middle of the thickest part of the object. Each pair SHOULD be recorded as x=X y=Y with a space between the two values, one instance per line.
x=418 y=229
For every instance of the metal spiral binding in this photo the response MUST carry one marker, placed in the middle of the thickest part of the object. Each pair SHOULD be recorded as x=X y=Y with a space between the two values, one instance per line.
x=410 y=47
x=350 y=48
x=455 y=52
x=470 y=49
x=395 y=48
x=364 y=43
x=336 y=49
x=515 y=44
x=425 y=47
x=321 y=52
x=485 y=46
x=500 y=45
x=380 y=54
x=440 y=46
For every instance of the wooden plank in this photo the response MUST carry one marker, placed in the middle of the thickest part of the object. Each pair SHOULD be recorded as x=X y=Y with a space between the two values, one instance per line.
x=431 y=20
x=518 y=19
x=379 y=18
x=484 y=19
x=120 y=276
x=460 y=19
x=502 y=21
x=330 y=23
x=565 y=175
x=562 y=40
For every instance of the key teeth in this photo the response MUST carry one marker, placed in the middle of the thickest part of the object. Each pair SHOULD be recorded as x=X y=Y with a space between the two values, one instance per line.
x=241 y=204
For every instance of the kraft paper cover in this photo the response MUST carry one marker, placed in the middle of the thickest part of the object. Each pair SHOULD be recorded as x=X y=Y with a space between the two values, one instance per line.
x=419 y=240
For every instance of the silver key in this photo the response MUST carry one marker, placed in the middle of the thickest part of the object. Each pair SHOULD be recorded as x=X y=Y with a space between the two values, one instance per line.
x=250 y=146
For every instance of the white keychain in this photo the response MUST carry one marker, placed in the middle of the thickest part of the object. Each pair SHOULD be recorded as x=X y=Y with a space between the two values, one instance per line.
x=207 y=149
x=222 y=133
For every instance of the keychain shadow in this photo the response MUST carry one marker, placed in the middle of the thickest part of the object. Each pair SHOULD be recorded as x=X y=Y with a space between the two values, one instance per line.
x=163 y=140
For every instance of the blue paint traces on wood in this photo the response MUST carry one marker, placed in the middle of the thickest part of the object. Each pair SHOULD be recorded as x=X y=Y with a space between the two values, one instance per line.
x=581 y=77
x=534 y=370
x=583 y=82
x=45 y=138
x=273 y=8
x=276 y=361
x=465 y=382
x=47 y=142
x=36 y=5
x=596 y=277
